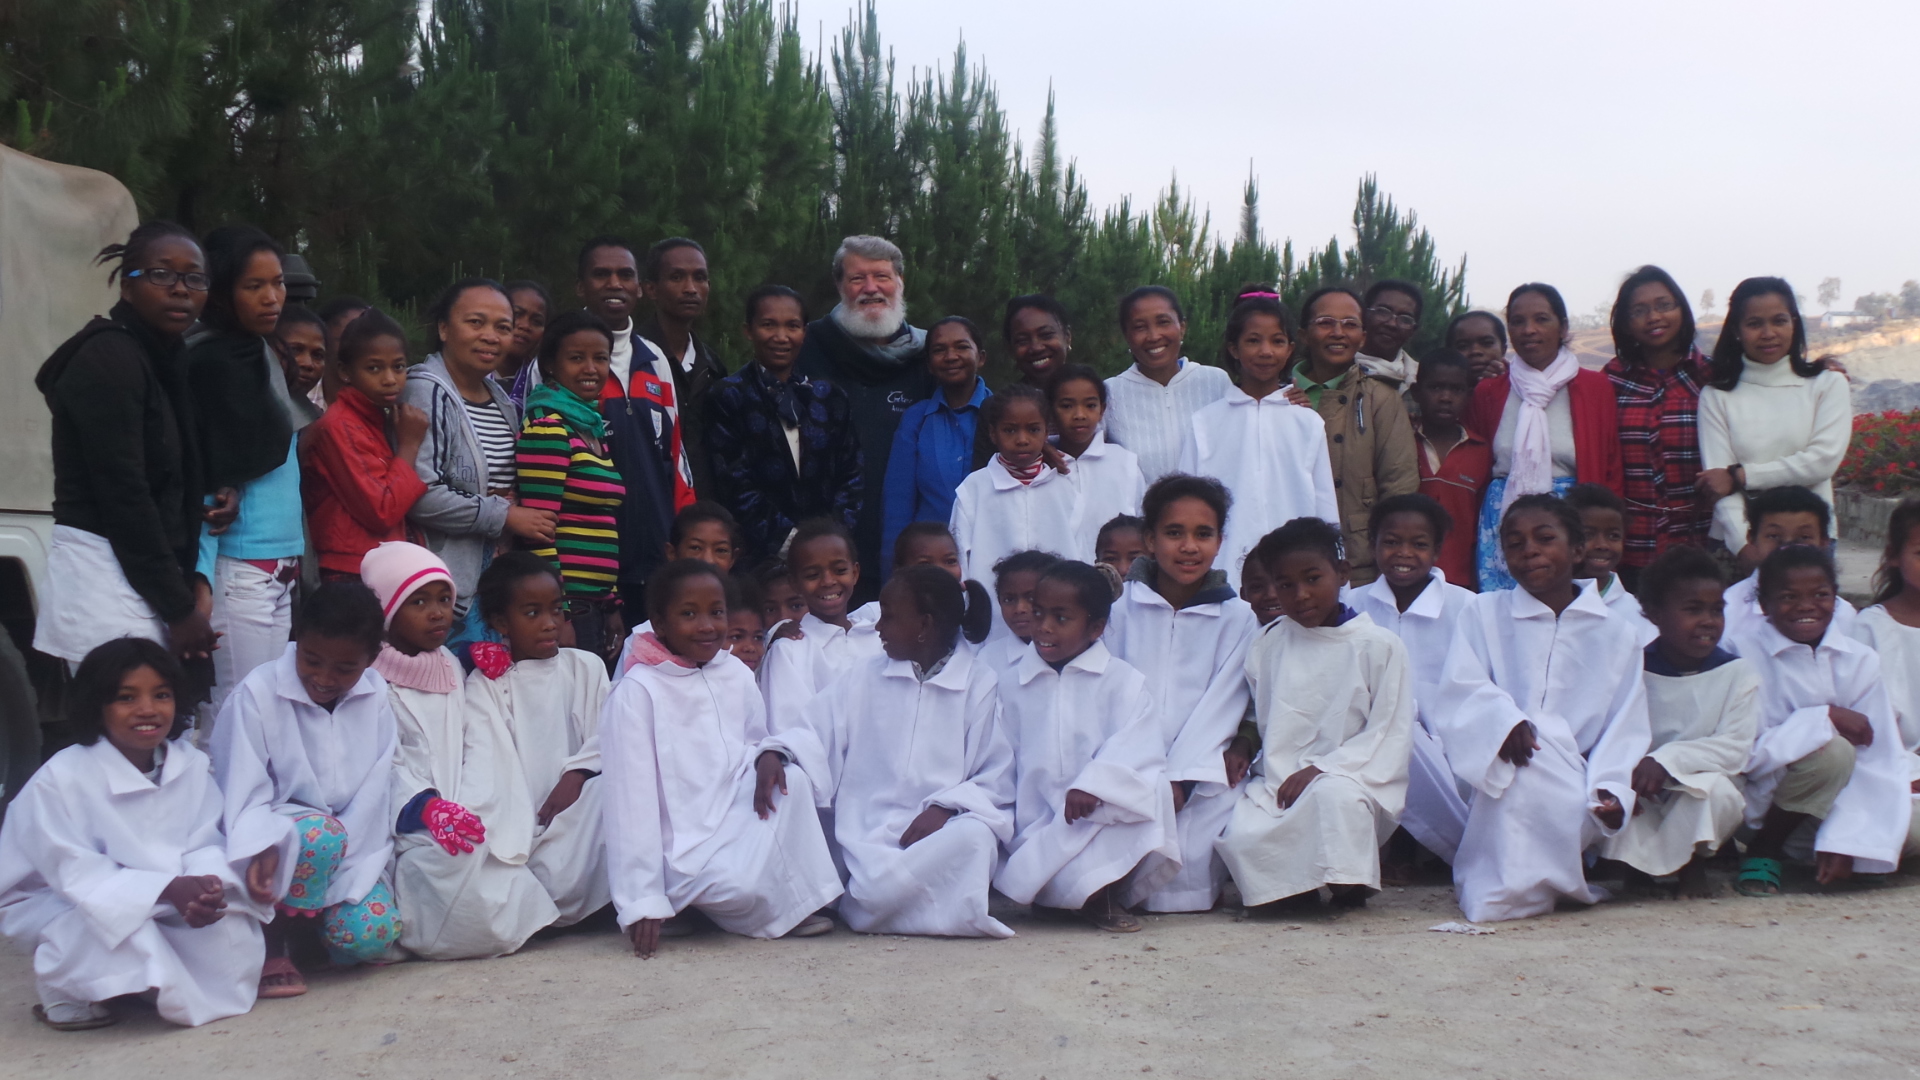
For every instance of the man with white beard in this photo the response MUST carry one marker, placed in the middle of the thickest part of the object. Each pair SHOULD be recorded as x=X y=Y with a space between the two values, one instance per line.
x=865 y=347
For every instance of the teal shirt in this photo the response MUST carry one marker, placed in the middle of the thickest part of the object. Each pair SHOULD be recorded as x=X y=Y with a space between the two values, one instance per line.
x=271 y=524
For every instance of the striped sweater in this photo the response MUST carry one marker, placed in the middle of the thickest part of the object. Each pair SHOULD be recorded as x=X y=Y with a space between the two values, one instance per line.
x=562 y=472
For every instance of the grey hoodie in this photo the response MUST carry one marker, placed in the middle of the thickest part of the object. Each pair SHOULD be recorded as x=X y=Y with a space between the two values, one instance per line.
x=459 y=520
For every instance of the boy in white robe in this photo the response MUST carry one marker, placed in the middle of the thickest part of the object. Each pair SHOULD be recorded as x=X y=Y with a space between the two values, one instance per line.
x=921 y=772
x=1413 y=598
x=114 y=870
x=1543 y=711
x=1111 y=482
x=1333 y=695
x=1182 y=627
x=1091 y=797
x=803 y=658
x=1891 y=627
x=1777 y=518
x=1604 y=516
x=692 y=817
x=1829 y=748
x=306 y=746
x=459 y=905
x=1702 y=708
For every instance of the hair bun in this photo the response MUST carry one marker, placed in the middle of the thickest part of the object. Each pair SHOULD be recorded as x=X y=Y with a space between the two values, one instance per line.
x=1113 y=578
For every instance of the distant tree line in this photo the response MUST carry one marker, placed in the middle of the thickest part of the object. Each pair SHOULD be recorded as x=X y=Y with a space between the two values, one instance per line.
x=398 y=152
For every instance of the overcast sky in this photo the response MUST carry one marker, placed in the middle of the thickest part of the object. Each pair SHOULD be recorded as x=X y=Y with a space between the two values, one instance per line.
x=1559 y=141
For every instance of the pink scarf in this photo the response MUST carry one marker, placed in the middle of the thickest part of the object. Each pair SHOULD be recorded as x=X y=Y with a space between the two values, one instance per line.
x=1531 y=471
x=1025 y=474
x=428 y=672
x=651 y=651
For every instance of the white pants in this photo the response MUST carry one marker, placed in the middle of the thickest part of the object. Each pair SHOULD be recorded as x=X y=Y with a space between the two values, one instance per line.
x=253 y=613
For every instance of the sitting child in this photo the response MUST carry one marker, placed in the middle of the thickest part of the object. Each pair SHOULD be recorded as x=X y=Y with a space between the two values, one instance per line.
x=781 y=600
x=1702 y=704
x=1183 y=628
x=114 y=870
x=1014 y=580
x=458 y=905
x=1829 y=749
x=1892 y=628
x=920 y=543
x=703 y=530
x=1542 y=710
x=1091 y=799
x=691 y=777
x=922 y=785
x=826 y=569
x=1416 y=600
x=1777 y=518
x=746 y=621
x=1120 y=541
x=548 y=700
x=1604 y=517
x=1333 y=694
x=306 y=745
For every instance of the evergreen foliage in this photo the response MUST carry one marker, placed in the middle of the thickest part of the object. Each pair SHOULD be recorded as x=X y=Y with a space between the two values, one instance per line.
x=491 y=136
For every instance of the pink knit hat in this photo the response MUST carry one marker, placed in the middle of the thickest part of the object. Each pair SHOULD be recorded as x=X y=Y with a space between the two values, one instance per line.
x=396 y=568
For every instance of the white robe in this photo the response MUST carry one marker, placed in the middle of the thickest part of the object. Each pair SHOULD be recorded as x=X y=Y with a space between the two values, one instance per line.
x=1627 y=606
x=1436 y=810
x=895 y=746
x=88 y=847
x=1195 y=663
x=1703 y=726
x=551 y=709
x=1577 y=678
x=1797 y=685
x=795 y=669
x=1272 y=455
x=995 y=515
x=1744 y=614
x=1112 y=484
x=1340 y=699
x=1089 y=726
x=278 y=756
x=678 y=746
x=480 y=903
x=1899 y=649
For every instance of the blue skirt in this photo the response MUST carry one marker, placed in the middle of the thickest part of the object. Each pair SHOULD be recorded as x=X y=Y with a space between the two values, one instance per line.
x=1493 y=564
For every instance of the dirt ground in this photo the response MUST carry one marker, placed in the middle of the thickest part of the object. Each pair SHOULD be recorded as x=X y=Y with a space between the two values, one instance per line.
x=1805 y=984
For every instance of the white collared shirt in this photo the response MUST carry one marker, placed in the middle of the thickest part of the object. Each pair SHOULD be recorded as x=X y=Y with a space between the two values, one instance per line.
x=1153 y=420
x=1272 y=456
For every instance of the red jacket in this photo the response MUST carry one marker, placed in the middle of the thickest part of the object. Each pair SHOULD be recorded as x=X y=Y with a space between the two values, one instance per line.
x=357 y=493
x=1596 y=425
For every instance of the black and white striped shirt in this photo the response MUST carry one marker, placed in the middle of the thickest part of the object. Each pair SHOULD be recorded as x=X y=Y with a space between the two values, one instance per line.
x=496 y=442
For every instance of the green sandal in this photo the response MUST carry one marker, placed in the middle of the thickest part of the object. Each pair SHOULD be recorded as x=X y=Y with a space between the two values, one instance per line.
x=1758 y=877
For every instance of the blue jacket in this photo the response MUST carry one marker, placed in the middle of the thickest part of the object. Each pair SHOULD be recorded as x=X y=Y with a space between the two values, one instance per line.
x=752 y=465
x=932 y=453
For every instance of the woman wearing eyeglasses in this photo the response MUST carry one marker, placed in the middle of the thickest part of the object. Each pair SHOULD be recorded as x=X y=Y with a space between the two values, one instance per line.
x=1658 y=374
x=1553 y=423
x=127 y=478
x=1369 y=438
x=1391 y=313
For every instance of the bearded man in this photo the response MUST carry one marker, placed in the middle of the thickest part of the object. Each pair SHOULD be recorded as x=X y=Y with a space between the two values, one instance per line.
x=865 y=347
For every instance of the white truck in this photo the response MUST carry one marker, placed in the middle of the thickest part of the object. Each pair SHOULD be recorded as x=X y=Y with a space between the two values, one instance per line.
x=53 y=220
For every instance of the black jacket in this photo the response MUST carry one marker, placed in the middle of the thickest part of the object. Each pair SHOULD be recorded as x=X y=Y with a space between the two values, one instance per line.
x=126 y=465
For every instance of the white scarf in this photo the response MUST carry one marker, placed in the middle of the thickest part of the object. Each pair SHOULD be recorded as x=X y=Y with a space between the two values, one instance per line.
x=1531 y=472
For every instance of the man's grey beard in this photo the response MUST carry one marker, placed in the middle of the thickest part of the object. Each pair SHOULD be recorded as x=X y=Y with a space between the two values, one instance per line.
x=871 y=324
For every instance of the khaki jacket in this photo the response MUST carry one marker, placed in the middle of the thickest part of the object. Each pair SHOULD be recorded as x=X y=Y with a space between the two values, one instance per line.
x=1371 y=446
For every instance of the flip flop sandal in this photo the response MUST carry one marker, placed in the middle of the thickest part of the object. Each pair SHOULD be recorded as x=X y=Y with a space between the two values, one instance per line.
x=1758 y=877
x=281 y=965
x=1106 y=915
x=812 y=926
x=90 y=1023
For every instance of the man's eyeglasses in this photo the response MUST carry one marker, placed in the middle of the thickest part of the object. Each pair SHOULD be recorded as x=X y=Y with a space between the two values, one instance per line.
x=1398 y=318
x=165 y=278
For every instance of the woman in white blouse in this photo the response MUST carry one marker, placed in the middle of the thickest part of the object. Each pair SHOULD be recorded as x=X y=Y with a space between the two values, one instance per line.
x=1770 y=418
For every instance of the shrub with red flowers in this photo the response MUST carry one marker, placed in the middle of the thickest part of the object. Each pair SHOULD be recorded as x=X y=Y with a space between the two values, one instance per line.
x=1885 y=455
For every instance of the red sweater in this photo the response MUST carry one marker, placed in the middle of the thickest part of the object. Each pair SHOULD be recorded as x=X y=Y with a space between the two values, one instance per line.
x=1458 y=486
x=1596 y=425
x=357 y=493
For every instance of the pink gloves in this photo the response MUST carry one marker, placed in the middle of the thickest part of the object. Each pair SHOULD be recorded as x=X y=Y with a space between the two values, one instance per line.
x=452 y=826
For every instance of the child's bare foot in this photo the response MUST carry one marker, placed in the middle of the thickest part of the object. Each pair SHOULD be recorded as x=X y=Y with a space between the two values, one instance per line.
x=1693 y=883
x=1104 y=910
x=280 y=979
x=1349 y=897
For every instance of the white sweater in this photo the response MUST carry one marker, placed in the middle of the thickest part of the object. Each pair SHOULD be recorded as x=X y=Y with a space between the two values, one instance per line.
x=1153 y=420
x=1785 y=431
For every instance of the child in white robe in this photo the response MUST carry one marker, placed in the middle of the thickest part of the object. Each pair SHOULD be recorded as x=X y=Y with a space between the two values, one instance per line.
x=1091 y=798
x=921 y=772
x=1891 y=627
x=802 y=658
x=1269 y=452
x=1109 y=474
x=1829 y=749
x=1014 y=502
x=548 y=700
x=114 y=871
x=1543 y=711
x=1702 y=707
x=692 y=817
x=459 y=905
x=1120 y=541
x=1015 y=579
x=1777 y=518
x=1604 y=516
x=306 y=746
x=1333 y=697
x=1180 y=624
x=1413 y=598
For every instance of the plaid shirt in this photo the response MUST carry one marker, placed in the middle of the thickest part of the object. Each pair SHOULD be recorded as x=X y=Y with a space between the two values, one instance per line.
x=1660 y=454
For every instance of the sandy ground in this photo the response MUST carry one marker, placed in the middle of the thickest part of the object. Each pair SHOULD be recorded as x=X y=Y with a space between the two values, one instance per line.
x=1806 y=984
